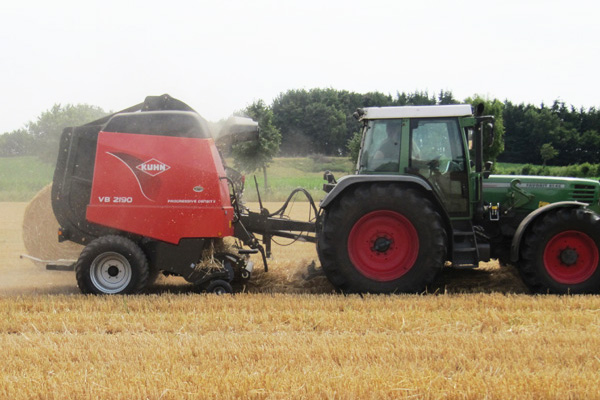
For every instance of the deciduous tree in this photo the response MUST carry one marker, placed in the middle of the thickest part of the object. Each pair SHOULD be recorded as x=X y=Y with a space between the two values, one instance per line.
x=548 y=152
x=252 y=155
x=47 y=129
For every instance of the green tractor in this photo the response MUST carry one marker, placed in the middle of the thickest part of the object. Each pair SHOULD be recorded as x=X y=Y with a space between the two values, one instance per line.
x=422 y=196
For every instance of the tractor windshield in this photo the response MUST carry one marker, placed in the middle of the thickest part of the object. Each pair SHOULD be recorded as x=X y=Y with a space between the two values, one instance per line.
x=381 y=146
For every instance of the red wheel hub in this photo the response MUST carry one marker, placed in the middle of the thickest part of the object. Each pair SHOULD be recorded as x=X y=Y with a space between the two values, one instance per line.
x=571 y=257
x=383 y=245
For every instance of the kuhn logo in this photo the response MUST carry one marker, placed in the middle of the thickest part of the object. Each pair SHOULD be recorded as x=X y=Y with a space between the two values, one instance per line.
x=153 y=167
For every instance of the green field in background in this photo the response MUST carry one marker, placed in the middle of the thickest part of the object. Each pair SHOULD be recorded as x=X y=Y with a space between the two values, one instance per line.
x=22 y=177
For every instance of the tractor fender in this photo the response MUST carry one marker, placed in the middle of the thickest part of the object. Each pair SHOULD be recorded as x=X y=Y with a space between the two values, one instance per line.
x=352 y=180
x=516 y=241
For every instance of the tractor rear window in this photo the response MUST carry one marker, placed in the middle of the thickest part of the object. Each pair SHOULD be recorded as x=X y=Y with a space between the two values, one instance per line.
x=161 y=123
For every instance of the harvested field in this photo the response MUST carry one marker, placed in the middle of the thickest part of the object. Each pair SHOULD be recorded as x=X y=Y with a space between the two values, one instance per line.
x=290 y=337
x=299 y=346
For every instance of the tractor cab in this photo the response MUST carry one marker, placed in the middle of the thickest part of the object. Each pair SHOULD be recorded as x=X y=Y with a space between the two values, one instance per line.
x=425 y=141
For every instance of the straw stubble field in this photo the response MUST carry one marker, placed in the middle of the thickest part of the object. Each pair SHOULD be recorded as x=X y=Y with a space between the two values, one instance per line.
x=289 y=337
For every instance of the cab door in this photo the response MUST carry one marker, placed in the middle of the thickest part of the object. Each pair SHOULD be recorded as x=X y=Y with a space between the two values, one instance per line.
x=437 y=154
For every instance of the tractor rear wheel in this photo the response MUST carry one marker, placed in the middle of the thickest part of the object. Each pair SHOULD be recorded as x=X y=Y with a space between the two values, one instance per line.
x=382 y=238
x=561 y=254
x=112 y=265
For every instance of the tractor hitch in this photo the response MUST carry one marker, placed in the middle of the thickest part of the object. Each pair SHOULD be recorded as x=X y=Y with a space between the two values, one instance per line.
x=267 y=224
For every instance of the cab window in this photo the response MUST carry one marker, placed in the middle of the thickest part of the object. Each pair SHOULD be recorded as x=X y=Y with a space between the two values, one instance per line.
x=381 y=147
x=437 y=154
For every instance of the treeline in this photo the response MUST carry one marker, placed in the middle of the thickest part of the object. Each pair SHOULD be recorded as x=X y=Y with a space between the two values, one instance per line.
x=316 y=121
x=319 y=121
x=41 y=137
x=555 y=135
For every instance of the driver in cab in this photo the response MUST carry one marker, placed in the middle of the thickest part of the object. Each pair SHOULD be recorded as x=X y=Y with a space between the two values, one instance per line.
x=390 y=146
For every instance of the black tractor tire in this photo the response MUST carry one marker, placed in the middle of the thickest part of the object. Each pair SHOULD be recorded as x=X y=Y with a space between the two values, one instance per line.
x=382 y=238
x=219 y=287
x=561 y=253
x=112 y=265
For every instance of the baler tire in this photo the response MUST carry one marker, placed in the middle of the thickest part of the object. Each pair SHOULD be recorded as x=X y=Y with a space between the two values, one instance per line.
x=362 y=245
x=228 y=264
x=112 y=257
x=561 y=253
x=219 y=287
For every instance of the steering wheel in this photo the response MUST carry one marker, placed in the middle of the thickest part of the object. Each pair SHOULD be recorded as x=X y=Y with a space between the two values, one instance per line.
x=434 y=163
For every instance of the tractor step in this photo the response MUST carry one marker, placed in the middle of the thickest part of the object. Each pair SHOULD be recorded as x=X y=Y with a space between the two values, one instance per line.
x=465 y=250
x=465 y=266
x=464 y=245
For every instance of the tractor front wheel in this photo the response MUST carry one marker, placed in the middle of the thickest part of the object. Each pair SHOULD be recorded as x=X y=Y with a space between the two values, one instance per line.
x=112 y=265
x=382 y=238
x=561 y=253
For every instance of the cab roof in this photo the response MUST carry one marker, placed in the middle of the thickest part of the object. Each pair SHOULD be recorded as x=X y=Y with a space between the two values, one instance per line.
x=454 y=110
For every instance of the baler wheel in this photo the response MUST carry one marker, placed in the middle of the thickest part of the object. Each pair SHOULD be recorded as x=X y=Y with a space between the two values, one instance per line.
x=219 y=287
x=382 y=238
x=112 y=265
x=229 y=261
x=561 y=253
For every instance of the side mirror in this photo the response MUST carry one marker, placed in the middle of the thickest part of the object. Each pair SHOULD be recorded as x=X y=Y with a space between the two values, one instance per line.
x=479 y=109
x=470 y=133
x=489 y=127
x=487 y=171
x=358 y=113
